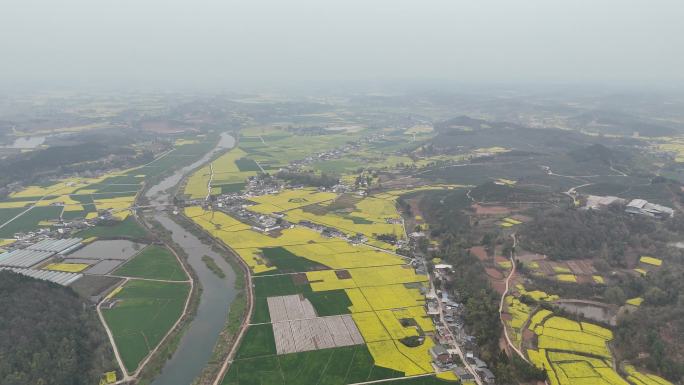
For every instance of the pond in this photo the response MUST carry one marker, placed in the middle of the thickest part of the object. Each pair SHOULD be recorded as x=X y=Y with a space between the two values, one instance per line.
x=594 y=312
x=28 y=142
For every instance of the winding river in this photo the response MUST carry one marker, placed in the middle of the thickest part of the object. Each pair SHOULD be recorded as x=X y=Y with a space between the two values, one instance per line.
x=196 y=346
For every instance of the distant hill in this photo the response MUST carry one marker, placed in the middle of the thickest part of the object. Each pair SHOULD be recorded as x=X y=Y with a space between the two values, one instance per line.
x=615 y=122
x=47 y=336
x=465 y=122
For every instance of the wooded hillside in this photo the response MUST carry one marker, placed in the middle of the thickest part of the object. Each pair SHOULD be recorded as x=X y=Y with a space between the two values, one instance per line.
x=47 y=336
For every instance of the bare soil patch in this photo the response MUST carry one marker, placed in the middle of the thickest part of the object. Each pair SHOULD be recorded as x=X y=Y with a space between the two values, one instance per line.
x=493 y=273
x=479 y=252
x=490 y=210
x=300 y=279
x=342 y=274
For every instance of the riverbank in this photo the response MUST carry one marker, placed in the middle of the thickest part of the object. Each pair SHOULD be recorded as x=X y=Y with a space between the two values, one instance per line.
x=166 y=349
x=240 y=309
x=188 y=346
x=195 y=348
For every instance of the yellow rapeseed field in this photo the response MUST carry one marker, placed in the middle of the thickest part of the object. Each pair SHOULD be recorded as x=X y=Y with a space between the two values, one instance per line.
x=635 y=301
x=289 y=199
x=394 y=327
x=651 y=260
x=637 y=378
x=537 y=295
x=119 y=206
x=572 y=352
x=68 y=267
x=386 y=354
x=392 y=297
x=359 y=302
x=382 y=289
x=371 y=327
x=566 y=277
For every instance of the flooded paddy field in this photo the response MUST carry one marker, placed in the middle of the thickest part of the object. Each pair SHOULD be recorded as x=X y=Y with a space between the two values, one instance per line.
x=105 y=256
x=109 y=249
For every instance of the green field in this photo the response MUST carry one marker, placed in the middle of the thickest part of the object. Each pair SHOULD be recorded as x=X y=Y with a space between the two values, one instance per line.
x=154 y=262
x=88 y=206
x=28 y=221
x=268 y=286
x=231 y=187
x=179 y=157
x=326 y=303
x=145 y=313
x=7 y=214
x=335 y=366
x=331 y=302
x=128 y=228
x=258 y=341
x=287 y=262
x=246 y=164
x=119 y=183
x=337 y=166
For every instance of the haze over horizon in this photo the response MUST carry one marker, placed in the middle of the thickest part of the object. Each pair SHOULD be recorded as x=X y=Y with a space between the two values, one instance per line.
x=210 y=43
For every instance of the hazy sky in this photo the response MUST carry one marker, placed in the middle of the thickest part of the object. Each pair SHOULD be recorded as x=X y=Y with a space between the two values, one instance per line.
x=216 y=42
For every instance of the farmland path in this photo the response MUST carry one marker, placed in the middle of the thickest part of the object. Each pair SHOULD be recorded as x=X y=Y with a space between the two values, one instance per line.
x=110 y=335
x=211 y=179
x=392 y=379
x=178 y=321
x=503 y=298
x=245 y=321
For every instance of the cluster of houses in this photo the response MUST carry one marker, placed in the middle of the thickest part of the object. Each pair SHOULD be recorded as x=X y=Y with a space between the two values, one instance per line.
x=441 y=306
x=58 y=229
x=444 y=357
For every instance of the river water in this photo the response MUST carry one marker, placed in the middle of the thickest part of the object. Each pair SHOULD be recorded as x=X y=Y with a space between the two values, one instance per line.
x=196 y=345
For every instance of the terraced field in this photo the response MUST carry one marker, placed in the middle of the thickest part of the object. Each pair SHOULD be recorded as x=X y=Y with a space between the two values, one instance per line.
x=571 y=352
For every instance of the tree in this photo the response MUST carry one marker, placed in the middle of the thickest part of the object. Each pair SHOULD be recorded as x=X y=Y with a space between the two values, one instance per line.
x=615 y=294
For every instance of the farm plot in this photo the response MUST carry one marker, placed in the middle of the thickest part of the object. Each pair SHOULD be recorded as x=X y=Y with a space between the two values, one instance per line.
x=378 y=298
x=369 y=216
x=104 y=256
x=300 y=335
x=30 y=220
x=637 y=378
x=305 y=244
x=329 y=283
x=334 y=366
x=184 y=153
x=128 y=228
x=289 y=200
x=572 y=352
x=222 y=171
x=154 y=262
x=296 y=327
x=80 y=197
x=143 y=313
x=108 y=249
